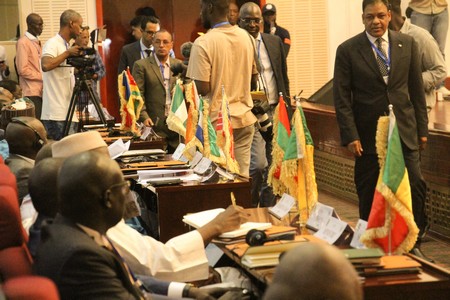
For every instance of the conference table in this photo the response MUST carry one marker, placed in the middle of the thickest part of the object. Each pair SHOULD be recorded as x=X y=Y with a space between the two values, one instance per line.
x=433 y=282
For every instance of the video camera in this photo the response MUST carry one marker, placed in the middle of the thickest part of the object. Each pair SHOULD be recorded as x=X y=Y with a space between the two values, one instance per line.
x=86 y=58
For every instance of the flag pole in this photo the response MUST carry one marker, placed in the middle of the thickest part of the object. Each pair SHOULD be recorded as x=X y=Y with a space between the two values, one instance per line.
x=388 y=204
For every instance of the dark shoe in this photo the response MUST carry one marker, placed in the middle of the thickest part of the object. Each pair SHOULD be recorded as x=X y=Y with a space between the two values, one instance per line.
x=417 y=252
x=424 y=231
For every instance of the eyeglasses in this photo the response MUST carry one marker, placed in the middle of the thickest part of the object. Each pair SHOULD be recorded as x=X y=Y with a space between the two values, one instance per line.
x=164 y=42
x=249 y=21
x=124 y=188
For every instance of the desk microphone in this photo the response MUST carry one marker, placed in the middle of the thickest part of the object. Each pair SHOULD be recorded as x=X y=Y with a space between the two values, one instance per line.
x=257 y=237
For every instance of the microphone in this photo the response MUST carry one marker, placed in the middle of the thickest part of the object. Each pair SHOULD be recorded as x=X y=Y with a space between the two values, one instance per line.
x=178 y=68
x=186 y=50
x=257 y=237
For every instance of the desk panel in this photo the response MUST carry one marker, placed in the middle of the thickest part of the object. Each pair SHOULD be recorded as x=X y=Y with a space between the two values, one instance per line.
x=173 y=202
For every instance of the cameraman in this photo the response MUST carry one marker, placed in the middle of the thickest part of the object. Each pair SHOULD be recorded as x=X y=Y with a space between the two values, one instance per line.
x=94 y=72
x=58 y=77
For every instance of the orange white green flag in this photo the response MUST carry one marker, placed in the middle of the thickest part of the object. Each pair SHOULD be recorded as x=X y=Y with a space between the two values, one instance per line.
x=297 y=168
x=131 y=102
x=282 y=131
x=391 y=223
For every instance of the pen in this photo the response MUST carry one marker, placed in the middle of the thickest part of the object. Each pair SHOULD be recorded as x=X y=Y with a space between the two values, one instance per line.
x=233 y=199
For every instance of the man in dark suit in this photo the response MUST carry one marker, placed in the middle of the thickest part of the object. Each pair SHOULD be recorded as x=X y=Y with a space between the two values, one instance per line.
x=75 y=252
x=25 y=137
x=273 y=80
x=367 y=78
x=155 y=81
x=141 y=48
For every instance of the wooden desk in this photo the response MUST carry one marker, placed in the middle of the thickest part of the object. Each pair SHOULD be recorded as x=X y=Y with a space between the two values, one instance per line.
x=432 y=283
x=173 y=202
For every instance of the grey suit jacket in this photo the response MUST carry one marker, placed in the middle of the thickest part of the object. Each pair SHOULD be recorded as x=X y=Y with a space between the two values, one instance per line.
x=80 y=268
x=277 y=58
x=21 y=169
x=361 y=96
x=148 y=77
x=130 y=54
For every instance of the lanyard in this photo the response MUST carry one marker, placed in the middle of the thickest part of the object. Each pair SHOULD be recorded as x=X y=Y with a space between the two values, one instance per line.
x=220 y=24
x=386 y=60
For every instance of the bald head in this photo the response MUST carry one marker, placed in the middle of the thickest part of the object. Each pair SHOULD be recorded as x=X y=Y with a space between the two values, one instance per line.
x=250 y=18
x=42 y=186
x=25 y=136
x=98 y=204
x=315 y=271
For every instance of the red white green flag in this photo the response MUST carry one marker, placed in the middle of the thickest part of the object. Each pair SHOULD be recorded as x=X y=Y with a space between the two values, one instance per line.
x=391 y=223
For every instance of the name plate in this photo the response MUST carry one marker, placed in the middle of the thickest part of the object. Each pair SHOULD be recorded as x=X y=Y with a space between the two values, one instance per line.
x=332 y=230
x=319 y=216
x=361 y=227
x=282 y=208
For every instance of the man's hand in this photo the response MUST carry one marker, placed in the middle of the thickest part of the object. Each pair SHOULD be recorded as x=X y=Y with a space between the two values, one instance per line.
x=219 y=293
x=423 y=143
x=355 y=148
x=74 y=51
x=229 y=220
x=148 y=122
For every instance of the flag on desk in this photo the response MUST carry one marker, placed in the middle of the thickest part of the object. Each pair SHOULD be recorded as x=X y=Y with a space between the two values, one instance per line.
x=225 y=138
x=282 y=131
x=176 y=120
x=391 y=212
x=131 y=102
x=210 y=148
x=297 y=169
x=192 y=123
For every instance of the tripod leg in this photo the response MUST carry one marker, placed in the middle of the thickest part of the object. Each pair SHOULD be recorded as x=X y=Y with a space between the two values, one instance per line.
x=71 y=110
x=96 y=103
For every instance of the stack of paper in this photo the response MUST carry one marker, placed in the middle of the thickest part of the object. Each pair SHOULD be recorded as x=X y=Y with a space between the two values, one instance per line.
x=202 y=218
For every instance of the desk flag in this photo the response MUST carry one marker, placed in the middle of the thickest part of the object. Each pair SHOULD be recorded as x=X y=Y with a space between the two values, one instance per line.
x=297 y=168
x=131 y=102
x=210 y=148
x=391 y=223
x=192 y=122
x=177 y=118
x=225 y=138
x=282 y=131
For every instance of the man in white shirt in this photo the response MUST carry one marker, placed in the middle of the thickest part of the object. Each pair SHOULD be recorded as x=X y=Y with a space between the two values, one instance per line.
x=58 y=77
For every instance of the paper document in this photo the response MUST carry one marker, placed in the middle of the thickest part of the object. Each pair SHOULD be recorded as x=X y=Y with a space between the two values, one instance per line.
x=202 y=218
x=282 y=208
x=117 y=148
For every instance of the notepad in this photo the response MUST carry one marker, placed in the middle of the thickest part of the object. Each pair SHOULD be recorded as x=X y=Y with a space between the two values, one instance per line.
x=202 y=218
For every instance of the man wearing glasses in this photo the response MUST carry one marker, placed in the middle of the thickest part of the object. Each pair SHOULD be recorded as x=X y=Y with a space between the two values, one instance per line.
x=139 y=49
x=155 y=81
x=273 y=80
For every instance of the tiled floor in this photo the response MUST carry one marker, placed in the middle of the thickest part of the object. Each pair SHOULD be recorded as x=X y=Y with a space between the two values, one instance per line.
x=348 y=211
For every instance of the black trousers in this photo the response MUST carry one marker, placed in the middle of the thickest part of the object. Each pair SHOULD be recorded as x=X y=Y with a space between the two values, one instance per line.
x=366 y=176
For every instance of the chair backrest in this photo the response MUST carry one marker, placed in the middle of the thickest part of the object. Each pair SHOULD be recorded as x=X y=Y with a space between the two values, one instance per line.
x=30 y=288
x=15 y=259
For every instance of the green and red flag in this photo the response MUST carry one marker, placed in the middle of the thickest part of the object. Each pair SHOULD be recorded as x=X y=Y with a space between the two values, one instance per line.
x=131 y=102
x=297 y=168
x=391 y=223
x=282 y=131
x=177 y=118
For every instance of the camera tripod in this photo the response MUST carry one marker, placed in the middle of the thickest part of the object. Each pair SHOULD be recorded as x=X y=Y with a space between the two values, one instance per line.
x=82 y=83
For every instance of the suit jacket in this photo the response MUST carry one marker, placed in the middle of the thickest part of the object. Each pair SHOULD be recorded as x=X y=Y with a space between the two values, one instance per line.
x=361 y=96
x=80 y=267
x=21 y=169
x=277 y=58
x=130 y=54
x=148 y=77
